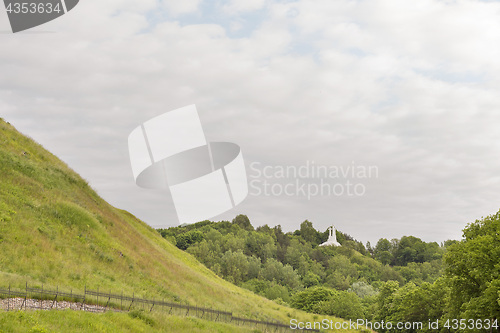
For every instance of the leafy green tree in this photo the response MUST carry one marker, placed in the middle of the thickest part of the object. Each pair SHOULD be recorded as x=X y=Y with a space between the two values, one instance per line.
x=382 y=251
x=185 y=240
x=306 y=300
x=267 y=230
x=448 y=243
x=413 y=249
x=412 y=304
x=285 y=275
x=355 y=245
x=363 y=289
x=260 y=245
x=276 y=291
x=204 y=253
x=338 y=281
x=308 y=233
x=234 y=266
x=473 y=271
x=233 y=242
x=254 y=267
x=268 y=289
x=243 y=222
x=293 y=254
x=282 y=242
x=343 y=304
x=386 y=299
x=341 y=263
x=369 y=248
x=311 y=280
x=214 y=236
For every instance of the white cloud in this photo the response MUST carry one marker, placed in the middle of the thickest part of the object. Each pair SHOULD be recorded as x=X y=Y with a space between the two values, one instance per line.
x=409 y=87
x=243 y=6
x=175 y=7
x=455 y=35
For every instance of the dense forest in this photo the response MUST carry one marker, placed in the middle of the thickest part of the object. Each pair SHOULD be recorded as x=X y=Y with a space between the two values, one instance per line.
x=401 y=280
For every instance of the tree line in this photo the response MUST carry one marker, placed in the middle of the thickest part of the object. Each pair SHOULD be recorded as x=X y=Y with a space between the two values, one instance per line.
x=403 y=279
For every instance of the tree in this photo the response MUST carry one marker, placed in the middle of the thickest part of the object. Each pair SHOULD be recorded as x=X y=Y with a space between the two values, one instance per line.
x=308 y=233
x=413 y=304
x=185 y=240
x=474 y=272
x=310 y=280
x=285 y=275
x=254 y=267
x=363 y=289
x=234 y=266
x=306 y=300
x=369 y=248
x=260 y=245
x=343 y=304
x=243 y=222
x=383 y=252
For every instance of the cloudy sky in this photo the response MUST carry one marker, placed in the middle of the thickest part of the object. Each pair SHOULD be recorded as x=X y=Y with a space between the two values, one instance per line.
x=408 y=87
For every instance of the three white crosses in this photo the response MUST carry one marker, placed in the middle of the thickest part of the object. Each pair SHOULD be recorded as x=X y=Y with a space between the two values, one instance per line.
x=332 y=238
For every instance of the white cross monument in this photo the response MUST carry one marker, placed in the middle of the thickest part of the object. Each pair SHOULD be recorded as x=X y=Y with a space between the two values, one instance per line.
x=332 y=238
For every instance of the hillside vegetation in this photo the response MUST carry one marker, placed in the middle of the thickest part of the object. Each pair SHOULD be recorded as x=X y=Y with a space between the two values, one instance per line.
x=455 y=285
x=56 y=231
x=291 y=268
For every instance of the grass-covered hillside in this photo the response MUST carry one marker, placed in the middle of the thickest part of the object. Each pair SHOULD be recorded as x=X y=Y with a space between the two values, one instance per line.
x=56 y=231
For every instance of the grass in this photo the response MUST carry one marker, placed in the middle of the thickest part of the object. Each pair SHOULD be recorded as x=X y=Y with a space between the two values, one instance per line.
x=56 y=231
x=110 y=322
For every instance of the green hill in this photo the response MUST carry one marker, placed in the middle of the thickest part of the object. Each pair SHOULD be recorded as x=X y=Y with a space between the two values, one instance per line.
x=56 y=231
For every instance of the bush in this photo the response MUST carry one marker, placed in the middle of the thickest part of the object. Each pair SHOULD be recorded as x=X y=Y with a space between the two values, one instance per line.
x=343 y=304
x=306 y=300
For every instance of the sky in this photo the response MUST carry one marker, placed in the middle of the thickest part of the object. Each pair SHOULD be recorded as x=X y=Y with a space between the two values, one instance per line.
x=408 y=90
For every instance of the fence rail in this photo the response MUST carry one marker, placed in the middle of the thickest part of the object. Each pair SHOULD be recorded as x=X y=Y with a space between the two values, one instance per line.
x=93 y=300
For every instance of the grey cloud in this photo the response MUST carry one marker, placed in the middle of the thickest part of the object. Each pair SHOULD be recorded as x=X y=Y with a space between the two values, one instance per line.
x=80 y=92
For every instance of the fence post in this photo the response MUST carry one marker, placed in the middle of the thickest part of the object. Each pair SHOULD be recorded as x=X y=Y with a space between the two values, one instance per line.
x=55 y=298
x=25 y=297
x=133 y=297
x=109 y=300
x=84 y=296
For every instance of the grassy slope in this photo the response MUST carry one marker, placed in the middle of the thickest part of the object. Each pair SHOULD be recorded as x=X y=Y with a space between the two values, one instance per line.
x=76 y=322
x=55 y=230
